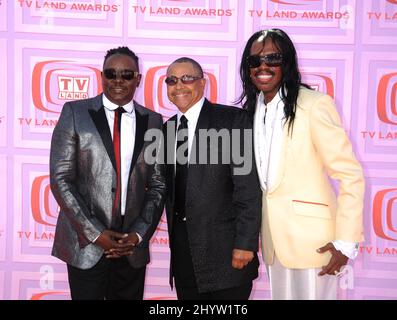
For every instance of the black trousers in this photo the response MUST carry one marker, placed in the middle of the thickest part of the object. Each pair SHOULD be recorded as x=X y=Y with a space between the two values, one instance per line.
x=110 y=279
x=183 y=271
x=237 y=293
x=181 y=259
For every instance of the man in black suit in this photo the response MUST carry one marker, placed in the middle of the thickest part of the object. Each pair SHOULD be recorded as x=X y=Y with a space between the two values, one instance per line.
x=213 y=210
x=100 y=179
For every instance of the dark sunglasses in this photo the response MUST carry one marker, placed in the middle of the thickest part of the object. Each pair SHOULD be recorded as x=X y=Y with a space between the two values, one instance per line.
x=272 y=60
x=186 y=79
x=125 y=74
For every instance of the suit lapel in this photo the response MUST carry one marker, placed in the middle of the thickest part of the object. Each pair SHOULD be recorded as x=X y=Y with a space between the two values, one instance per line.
x=195 y=169
x=204 y=119
x=257 y=141
x=141 y=125
x=98 y=116
x=171 y=123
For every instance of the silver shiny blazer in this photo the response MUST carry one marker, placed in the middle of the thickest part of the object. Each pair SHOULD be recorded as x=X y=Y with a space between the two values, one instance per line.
x=83 y=181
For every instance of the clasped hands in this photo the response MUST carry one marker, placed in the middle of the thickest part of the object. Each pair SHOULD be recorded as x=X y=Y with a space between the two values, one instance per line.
x=117 y=244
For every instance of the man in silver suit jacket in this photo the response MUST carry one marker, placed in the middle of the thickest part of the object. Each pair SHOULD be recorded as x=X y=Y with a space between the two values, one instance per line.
x=100 y=179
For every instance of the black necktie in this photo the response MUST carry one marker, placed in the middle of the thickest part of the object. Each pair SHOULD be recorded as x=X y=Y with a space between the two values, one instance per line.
x=181 y=169
x=264 y=118
x=116 y=212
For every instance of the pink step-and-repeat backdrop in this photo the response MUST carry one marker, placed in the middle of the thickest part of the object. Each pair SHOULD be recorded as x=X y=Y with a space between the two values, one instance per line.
x=52 y=52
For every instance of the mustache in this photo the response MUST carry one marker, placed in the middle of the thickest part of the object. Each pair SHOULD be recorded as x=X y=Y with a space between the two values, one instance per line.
x=117 y=87
x=180 y=92
x=267 y=70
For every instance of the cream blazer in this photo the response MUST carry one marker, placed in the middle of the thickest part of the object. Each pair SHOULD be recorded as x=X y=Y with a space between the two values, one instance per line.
x=301 y=212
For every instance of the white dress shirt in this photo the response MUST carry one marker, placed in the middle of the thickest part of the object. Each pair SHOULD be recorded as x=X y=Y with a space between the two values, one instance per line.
x=127 y=140
x=268 y=146
x=192 y=116
x=269 y=138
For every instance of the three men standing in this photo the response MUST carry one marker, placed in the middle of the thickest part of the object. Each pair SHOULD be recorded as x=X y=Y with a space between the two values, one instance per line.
x=111 y=198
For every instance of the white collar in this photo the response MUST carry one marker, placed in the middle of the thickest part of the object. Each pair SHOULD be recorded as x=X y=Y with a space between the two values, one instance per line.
x=274 y=109
x=129 y=107
x=193 y=113
x=274 y=102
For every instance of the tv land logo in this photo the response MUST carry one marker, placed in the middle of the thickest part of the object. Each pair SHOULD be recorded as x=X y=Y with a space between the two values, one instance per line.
x=72 y=87
x=300 y=9
x=320 y=82
x=155 y=90
x=159 y=238
x=387 y=98
x=55 y=82
x=385 y=214
x=46 y=283
x=296 y=2
x=48 y=294
x=187 y=8
x=389 y=14
x=43 y=205
x=163 y=297
x=162 y=226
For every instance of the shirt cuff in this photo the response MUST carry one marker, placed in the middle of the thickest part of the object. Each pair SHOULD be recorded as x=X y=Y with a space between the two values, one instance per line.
x=139 y=238
x=93 y=241
x=349 y=249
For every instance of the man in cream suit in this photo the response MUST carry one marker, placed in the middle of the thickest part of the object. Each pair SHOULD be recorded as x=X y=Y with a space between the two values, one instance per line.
x=308 y=233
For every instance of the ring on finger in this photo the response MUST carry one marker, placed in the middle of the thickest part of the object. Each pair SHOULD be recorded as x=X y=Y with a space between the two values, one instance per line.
x=337 y=273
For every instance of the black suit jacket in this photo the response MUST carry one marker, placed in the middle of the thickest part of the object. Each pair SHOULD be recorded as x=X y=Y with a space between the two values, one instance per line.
x=223 y=209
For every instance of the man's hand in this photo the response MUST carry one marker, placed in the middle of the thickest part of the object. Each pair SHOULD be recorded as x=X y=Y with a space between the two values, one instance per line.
x=108 y=239
x=338 y=260
x=128 y=242
x=111 y=240
x=241 y=258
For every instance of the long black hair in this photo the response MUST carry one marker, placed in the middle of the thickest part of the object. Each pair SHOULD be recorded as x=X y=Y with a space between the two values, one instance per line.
x=291 y=77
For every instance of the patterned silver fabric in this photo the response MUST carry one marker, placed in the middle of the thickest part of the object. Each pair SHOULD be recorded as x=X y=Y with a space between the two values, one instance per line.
x=83 y=181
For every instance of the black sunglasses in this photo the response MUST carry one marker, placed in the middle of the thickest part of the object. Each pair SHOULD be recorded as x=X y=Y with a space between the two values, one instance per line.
x=125 y=74
x=186 y=79
x=272 y=60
